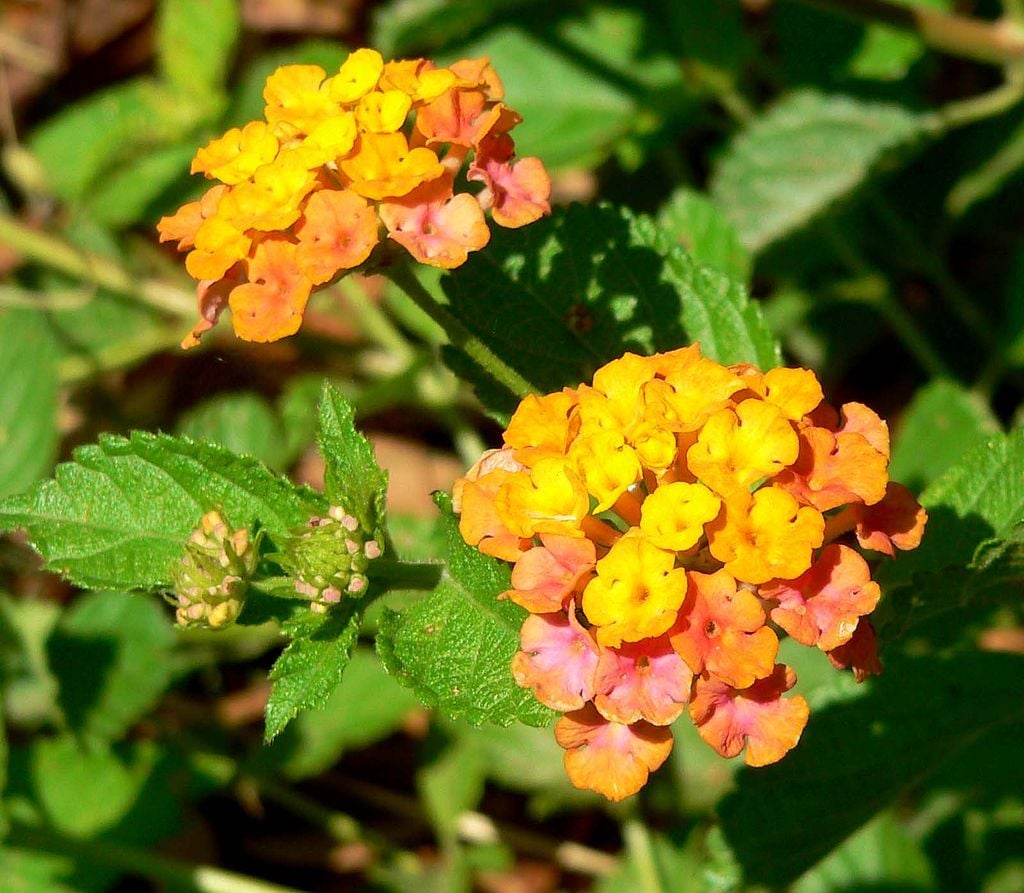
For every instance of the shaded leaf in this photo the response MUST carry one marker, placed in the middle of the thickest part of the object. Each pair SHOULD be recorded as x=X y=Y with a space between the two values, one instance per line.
x=561 y=297
x=120 y=513
x=862 y=754
x=125 y=643
x=310 y=668
x=124 y=196
x=807 y=152
x=454 y=648
x=400 y=27
x=28 y=399
x=883 y=852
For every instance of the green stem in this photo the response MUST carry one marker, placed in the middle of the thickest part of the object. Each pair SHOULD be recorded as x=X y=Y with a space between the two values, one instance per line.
x=978 y=108
x=958 y=301
x=404 y=574
x=130 y=860
x=641 y=851
x=461 y=337
x=997 y=43
x=102 y=271
x=374 y=322
x=895 y=314
x=73 y=369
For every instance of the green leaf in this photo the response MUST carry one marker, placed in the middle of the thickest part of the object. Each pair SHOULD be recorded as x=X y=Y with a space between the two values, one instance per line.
x=352 y=478
x=120 y=513
x=242 y=423
x=367 y=706
x=887 y=53
x=404 y=25
x=690 y=219
x=882 y=854
x=807 y=152
x=709 y=33
x=100 y=134
x=124 y=642
x=310 y=668
x=943 y=422
x=454 y=648
x=979 y=498
x=124 y=196
x=84 y=791
x=194 y=42
x=28 y=399
x=862 y=754
x=563 y=296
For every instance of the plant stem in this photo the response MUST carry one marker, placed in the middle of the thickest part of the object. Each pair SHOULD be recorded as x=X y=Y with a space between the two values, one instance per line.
x=459 y=336
x=895 y=314
x=73 y=369
x=130 y=860
x=404 y=574
x=638 y=843
x=977 y=108
x=995 y=42
x=102 y=271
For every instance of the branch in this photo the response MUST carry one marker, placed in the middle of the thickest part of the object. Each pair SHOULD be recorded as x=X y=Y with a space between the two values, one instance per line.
x=995 y=42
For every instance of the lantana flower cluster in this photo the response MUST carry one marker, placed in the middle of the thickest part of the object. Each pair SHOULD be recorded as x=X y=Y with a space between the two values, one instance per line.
x=668 y=523
x=305 y=194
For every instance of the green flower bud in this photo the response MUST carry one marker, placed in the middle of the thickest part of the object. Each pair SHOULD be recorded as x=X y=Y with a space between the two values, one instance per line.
x=210 y=580
x=328 y=558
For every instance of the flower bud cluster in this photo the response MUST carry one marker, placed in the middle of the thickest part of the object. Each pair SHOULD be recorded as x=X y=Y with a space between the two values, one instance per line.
x=210 y=581
x=667 y=524
x=328 y=558
x=307 y=193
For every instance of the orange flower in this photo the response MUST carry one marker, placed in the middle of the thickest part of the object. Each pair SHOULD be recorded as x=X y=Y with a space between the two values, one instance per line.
x=338 y=231
x=545 y=576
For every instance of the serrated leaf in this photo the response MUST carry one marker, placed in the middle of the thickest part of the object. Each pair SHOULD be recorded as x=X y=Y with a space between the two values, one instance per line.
x=691 y=220
x=862 y=754
x=120 y=513
x=994 y=576
x=561 y=297
x=454 y=648
x=28 y=399
x=352 y=477
x=242 y=423
x=943 y=423
x=980 y=498
x=194 y=42
x=125 y=642
x=310 y=668
x=365 y=707
x=804 y=154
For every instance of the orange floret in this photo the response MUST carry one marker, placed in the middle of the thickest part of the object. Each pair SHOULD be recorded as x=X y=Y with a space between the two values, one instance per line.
x=611 y=758
x=758 y=717
x=722 y=630
x=270 y=305
x=766 y=535
x=338 y=231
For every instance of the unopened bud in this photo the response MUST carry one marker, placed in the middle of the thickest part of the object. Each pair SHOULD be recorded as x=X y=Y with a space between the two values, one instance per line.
x=211 y=578
x=328 y=558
